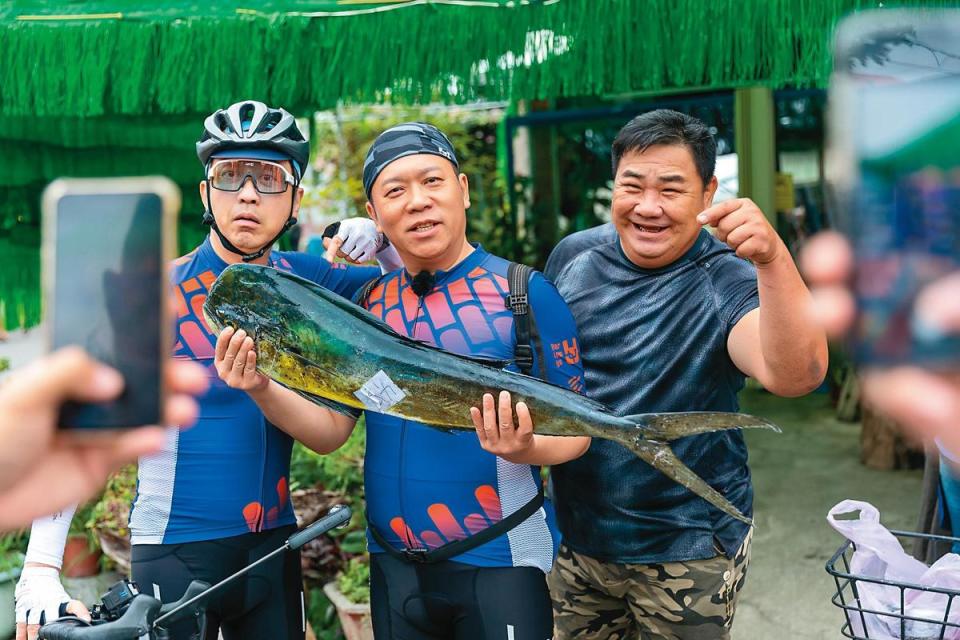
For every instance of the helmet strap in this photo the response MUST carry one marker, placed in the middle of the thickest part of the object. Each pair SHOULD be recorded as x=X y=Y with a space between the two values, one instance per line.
x=208 y=219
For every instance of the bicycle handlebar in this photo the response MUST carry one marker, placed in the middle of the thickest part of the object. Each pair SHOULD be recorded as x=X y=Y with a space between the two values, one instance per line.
x=338 y=516
x=138 y=620
x=133 y=624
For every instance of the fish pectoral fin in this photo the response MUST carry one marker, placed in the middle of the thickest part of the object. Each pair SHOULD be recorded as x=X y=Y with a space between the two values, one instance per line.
x=670 y=426
x=662 y=458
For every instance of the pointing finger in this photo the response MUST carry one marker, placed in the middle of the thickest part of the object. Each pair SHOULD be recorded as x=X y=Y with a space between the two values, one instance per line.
x=712 y=215
x=332 y=248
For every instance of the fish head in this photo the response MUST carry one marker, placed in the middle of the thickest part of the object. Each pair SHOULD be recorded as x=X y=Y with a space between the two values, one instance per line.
x=241 y=298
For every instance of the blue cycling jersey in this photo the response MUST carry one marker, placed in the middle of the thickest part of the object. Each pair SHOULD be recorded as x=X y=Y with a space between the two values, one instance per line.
x=229 y=473
x=426 y=487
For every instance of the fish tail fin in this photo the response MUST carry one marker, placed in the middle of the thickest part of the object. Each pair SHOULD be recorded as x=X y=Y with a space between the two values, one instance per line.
x=661 y=457
x=670 y=426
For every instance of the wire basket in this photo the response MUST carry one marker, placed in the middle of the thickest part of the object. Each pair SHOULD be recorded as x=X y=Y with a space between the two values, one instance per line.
x=915 y=625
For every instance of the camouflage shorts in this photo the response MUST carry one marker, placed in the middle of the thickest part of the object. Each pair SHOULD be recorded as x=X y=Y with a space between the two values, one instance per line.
x=692 y=600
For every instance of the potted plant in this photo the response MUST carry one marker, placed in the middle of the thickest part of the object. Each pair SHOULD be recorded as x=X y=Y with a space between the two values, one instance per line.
x=317 y=483
x=110 y=515
x=350 y=594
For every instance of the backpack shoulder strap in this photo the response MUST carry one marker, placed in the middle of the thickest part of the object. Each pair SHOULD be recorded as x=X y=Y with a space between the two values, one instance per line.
x=364 y=292
x=524 y=324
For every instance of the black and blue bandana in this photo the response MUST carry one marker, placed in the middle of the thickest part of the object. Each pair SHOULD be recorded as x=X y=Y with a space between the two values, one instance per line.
x=402 y=140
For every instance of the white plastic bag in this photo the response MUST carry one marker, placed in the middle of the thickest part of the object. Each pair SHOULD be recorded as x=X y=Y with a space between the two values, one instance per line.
x=880 y=555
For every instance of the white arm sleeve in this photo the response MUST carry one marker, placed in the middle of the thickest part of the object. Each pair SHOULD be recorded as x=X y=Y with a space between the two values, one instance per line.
x=388 y=259
x=48 y=537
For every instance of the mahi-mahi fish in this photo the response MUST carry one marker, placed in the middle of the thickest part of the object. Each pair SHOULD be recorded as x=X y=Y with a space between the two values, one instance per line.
x=326 y=348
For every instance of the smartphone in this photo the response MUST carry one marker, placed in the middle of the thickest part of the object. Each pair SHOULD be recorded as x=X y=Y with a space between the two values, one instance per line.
x=106 y=246
x=894 y=158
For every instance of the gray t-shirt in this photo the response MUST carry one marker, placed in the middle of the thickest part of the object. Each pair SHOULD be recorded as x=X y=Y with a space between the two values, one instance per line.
x=654 y=340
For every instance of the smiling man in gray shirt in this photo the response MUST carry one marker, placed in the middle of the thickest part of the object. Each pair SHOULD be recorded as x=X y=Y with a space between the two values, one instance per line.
x=670 y=319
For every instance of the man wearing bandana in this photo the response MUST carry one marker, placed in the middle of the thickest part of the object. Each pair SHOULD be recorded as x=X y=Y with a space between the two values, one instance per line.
x=459 y=534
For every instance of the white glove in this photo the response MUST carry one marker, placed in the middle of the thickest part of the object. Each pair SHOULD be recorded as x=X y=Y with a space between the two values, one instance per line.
x=39 y=595
x=360 y=239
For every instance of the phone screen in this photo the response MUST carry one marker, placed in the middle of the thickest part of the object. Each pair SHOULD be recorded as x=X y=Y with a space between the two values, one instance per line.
x=896 y=121
x=108 y=285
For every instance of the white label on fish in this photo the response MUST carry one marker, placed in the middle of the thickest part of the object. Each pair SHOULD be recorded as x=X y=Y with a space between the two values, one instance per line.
x=379 y=393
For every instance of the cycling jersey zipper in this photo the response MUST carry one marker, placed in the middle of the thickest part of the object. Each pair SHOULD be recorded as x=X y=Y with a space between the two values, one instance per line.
x=403 y=438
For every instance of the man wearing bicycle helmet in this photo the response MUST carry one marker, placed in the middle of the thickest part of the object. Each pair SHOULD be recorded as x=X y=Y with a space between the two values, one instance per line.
x=216 y=497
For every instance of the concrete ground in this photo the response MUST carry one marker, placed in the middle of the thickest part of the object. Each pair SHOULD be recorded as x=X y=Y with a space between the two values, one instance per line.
x=799 y=475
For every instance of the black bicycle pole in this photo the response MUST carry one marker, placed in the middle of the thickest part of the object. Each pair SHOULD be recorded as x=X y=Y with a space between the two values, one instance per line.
x=338 y=516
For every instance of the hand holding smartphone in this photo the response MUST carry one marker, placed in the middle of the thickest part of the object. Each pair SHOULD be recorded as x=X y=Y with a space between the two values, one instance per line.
x=895 y=168
x=106 y=247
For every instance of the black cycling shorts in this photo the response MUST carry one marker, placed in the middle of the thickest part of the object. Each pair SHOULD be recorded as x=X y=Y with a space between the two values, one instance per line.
x=455 y=601
x=265 y=603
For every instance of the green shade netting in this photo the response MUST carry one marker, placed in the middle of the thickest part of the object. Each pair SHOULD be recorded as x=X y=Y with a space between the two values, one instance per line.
x=166 y=132
x=19 y=285
x=20 y=299
x=188 y=58
x=20 y=269
x=51 y=147
x=42 y=163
